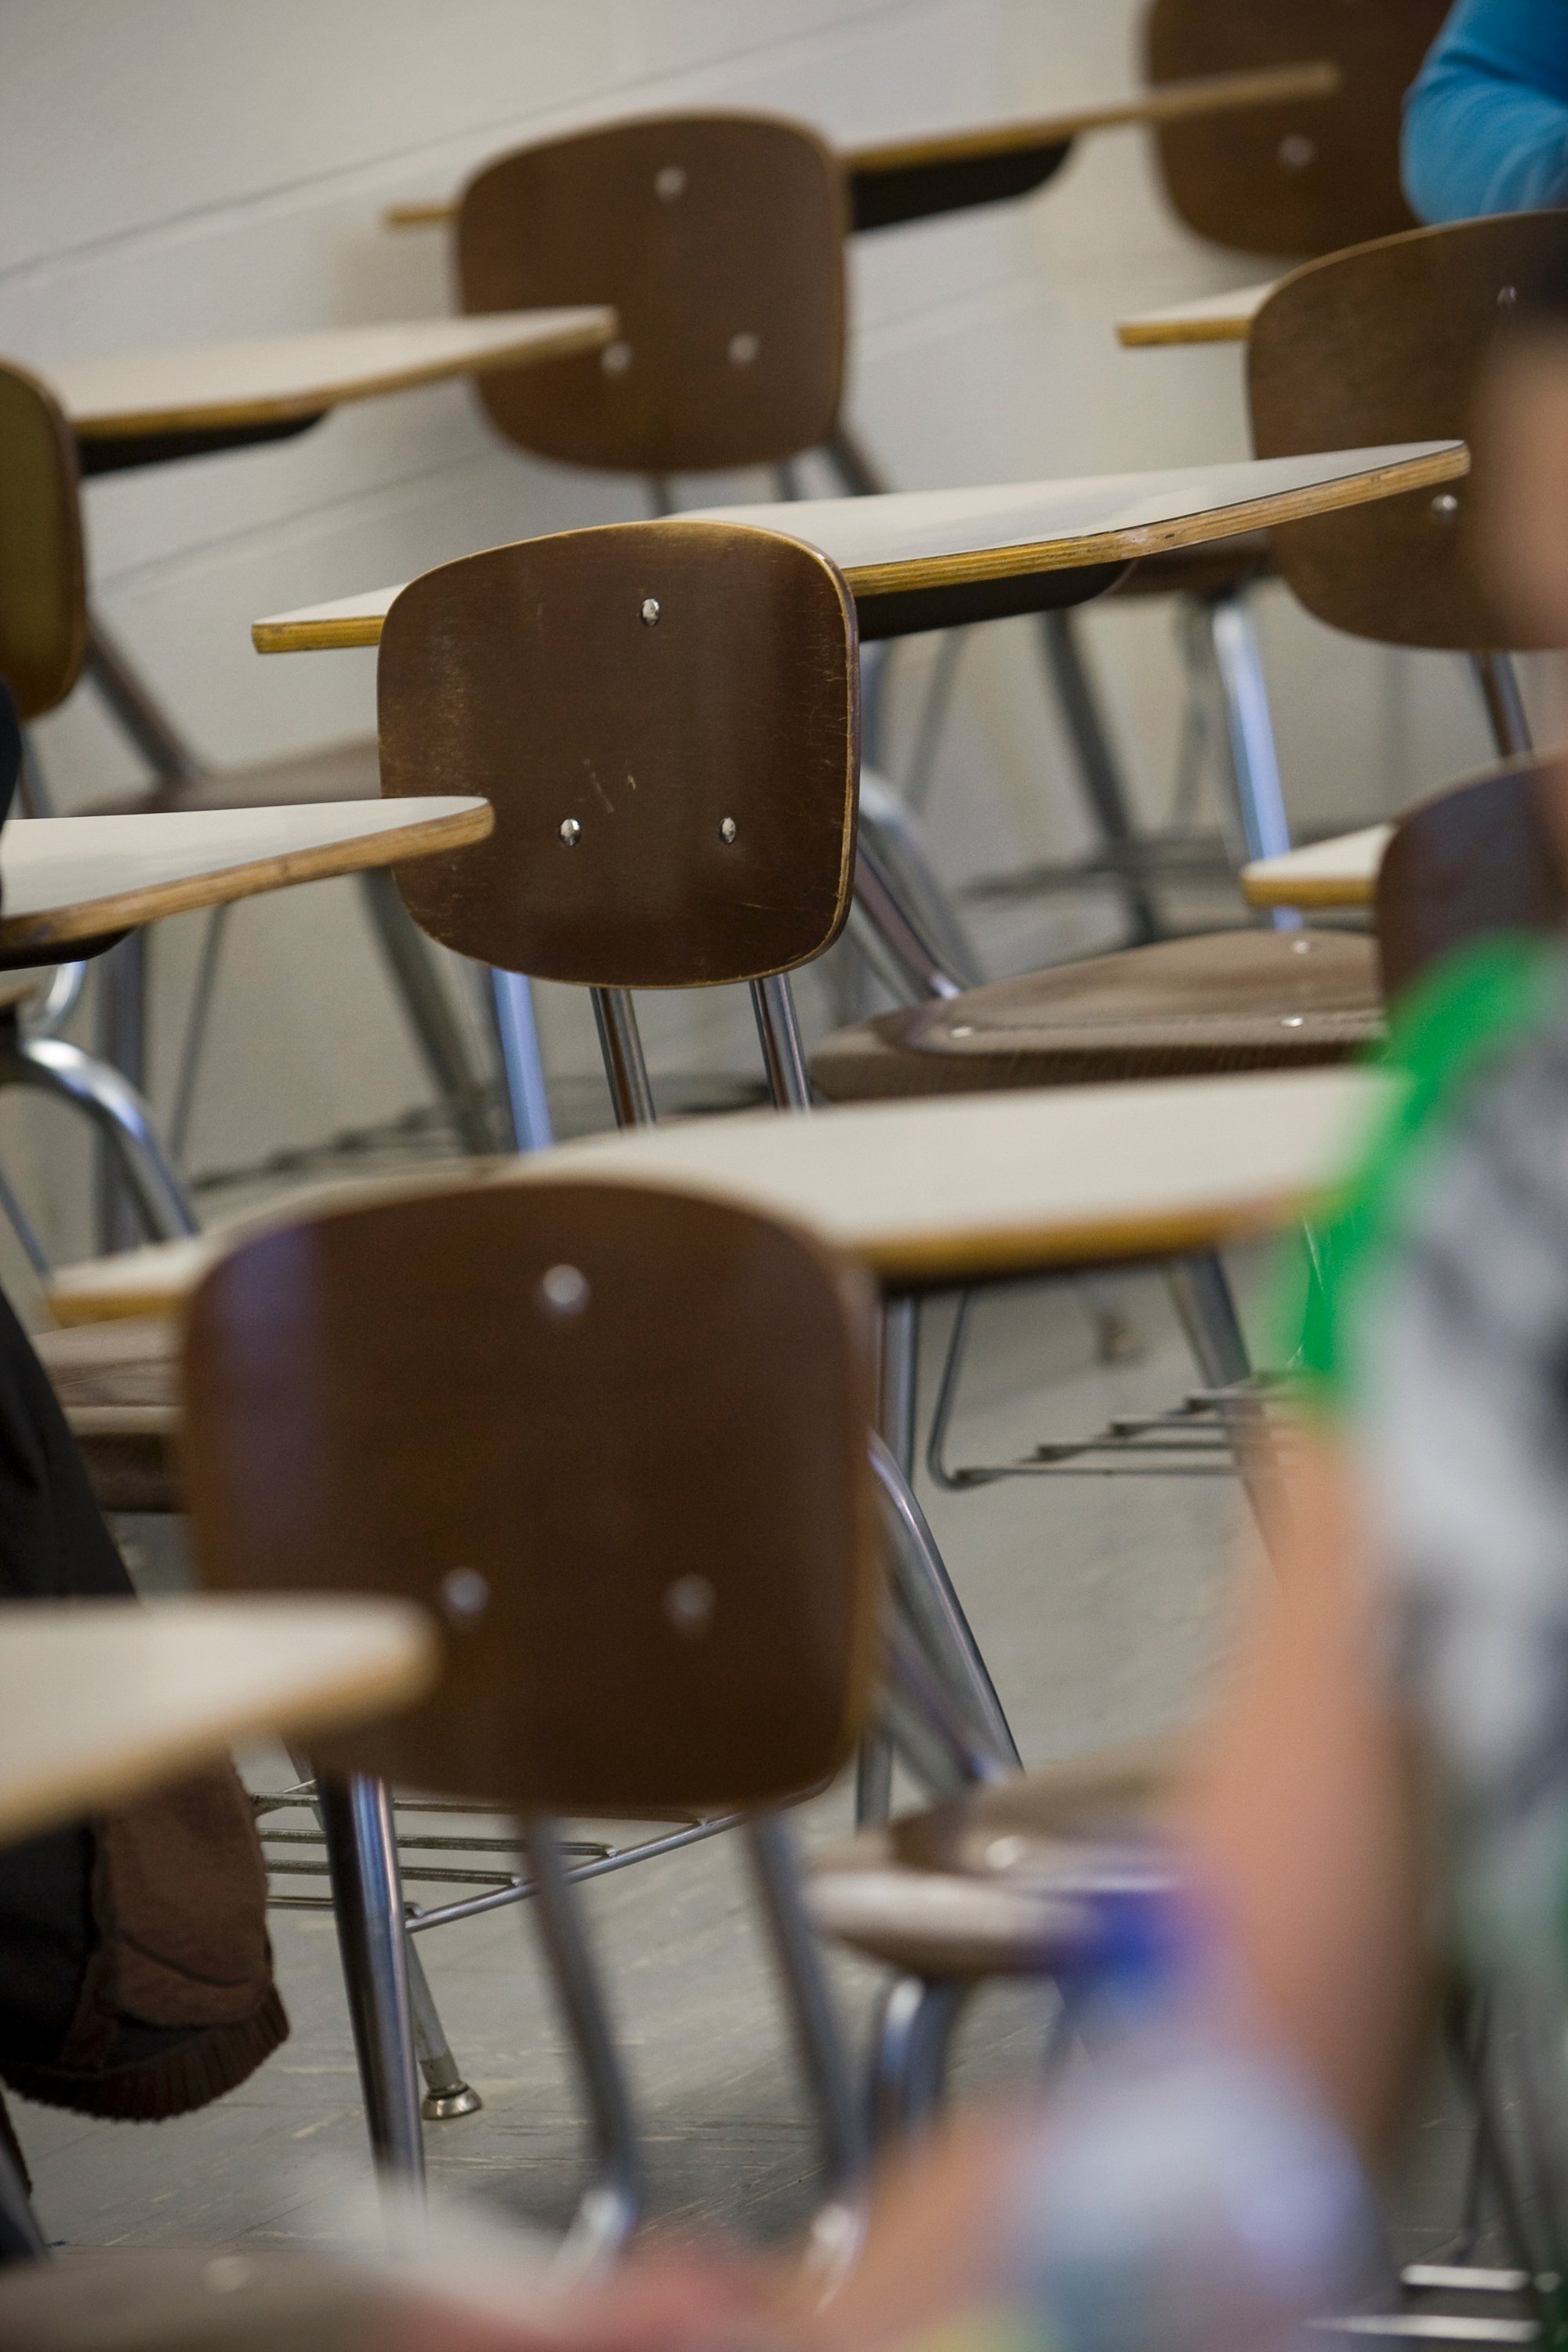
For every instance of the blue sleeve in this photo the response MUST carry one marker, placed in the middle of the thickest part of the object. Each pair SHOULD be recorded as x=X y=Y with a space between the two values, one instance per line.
x=1486 y=126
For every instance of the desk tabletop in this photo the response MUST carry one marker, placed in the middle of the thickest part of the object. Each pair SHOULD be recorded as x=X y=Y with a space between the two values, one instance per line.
x=911 y=541
x=106 y=1699
x=268 y=379
x=1339 y=873
x=929 y=1193
x=65 y=879
x=1177 y=101
x=1212 y=319
x=1172 y=102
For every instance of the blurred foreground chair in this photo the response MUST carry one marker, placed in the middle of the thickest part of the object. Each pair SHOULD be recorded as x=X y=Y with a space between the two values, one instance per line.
x=616 y=1437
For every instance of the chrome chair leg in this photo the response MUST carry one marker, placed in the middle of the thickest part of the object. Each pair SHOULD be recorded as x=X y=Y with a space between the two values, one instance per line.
x=367 y=1902
x=912 y=2038
x=886 y=824
x=1097 y=763
x=1206 y=1306
x=896 y=1412
x=194 y=1043
x=410 y=958
x=931 y=1607
x=119 y=1113
x=610 y=2210
x=778 y=1033
x=1249 y=734
x=510 y=1002
x=620 y=1043
x=1498 y=678
x=836 y=2231
x=446 y=2094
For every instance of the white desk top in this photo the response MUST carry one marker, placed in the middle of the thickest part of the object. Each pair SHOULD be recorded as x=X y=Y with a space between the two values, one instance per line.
x=78 y=878
x=268 y=379
x=912 y=539
x=1212 y=319
x=1339 y=873
x=100 y=1701
x=928 y=1192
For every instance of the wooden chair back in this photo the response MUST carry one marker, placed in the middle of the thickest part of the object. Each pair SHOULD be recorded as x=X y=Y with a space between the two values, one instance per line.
x=720 y=239
x=43 y=570
x=1386 y=343
x=665 y=716
x=1309 y=176
x=614 y=1436
x=1479 y=858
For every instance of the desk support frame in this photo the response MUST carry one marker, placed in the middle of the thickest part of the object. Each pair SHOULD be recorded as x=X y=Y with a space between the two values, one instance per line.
x=367 y=1902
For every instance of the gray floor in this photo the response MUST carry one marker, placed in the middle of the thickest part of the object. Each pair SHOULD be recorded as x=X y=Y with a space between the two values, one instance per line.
x=1101 y=1606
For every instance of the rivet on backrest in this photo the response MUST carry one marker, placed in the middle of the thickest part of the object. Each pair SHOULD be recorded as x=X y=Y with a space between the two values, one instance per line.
x=615 y=358
x=727 y=831
x=1444 y=507
x=571 y=832
x=744 y=349
x=1298 y=150
x=564 y=1290
x=689 y=1603
x=648 y=612
x=1507 y=297
x=464 y=1593
x=669 y=182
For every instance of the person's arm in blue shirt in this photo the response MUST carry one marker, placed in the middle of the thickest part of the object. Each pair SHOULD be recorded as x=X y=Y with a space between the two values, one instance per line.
x=1486 y=126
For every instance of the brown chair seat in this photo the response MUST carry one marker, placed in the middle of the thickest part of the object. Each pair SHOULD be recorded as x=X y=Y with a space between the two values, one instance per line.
x=990 y=1883
x=1216 y=569
x=1236 y=1001
x=119 y=1384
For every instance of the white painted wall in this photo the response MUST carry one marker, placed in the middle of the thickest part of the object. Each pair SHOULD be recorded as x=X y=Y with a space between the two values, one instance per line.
x=181 y=170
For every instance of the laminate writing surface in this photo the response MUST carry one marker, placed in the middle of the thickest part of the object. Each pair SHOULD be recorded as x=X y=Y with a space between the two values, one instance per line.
x=911 y=543
x=978 y=1187
x=66 y=879
x=1338 y=873
x=271 y=378
x=107 y=1699
x=1212 y=318
x=933 y=172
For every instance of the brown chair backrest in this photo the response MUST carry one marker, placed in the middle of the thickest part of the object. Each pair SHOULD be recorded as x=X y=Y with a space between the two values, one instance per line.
x=720 y=240
x=1311 y=176
x=1386 y=343
x=1479 y=858
x=665 y=716
x=614 y=1435
x=43 y=573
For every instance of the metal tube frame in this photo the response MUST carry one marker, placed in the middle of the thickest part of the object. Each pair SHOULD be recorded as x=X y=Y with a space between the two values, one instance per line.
x=1249 y=735
x=510 y=998
x=620 y=1041
x=935 y=1614
x=839 y=2224
x=367 y=1903
x=610 y=2209
x=122 y=1117
x=778 y=1033
x=1498 y=677
x=410 y=958
x=1100 y=771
